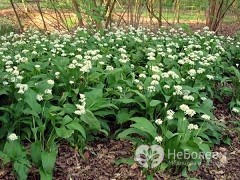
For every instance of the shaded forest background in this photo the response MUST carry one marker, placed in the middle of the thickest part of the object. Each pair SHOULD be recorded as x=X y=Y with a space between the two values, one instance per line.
x=70 y=14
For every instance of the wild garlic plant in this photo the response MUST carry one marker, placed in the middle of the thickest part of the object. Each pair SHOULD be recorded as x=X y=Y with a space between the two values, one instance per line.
x=156 y=88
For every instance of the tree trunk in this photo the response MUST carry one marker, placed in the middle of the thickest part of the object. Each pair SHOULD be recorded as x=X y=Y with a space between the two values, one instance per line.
x=16 y=14
x=78 y=13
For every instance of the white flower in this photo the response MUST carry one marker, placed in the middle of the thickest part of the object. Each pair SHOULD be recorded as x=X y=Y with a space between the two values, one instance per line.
x=235 y=110
x=166 y=86
x=154 y=82
x=139 y=87
x=22 y=88
x=158 y=139
x=12 y=137
x=170 y=114
x=86 y=67
x=71 y=66
x=158 y=121
x=109 y=68
x=156 y=77
x=151 y=88
x=5 y=83
x=37 y=66
x=192 y=126
x=119 y=88
x=173 y=74
x=142 y=75
x=184 y=107
x=200 y=70
x=136 y=81
x=80 y=109
x=210 y=77
x=178 y=90
x=51 y=82
x=122 y=50
x=48 y=91
x=39 y=97
x=188 y=97
x=192 y=72
x=206 y=117
x=151 y=58
x=190 y=112
x=155 y=69
x=71 y=82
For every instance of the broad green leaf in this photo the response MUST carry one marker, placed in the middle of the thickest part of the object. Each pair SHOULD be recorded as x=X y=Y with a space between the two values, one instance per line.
x=154 y=103
x=91 y=120
x=63 y=132
x=30 y=99
x=35 y=152
x=123 y=116
x=124 y=134
x=76 y=126
x=67 y=119
x=48 y=161
x=144 y=125
x=21 y=169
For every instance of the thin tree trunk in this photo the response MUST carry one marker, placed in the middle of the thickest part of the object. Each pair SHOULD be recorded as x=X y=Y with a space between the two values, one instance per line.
x=18 y=19
x=40 y=11
x=78 y=13
x=109 y=18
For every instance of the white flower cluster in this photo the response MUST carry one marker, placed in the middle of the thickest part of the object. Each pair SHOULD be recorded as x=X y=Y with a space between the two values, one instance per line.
x=151 y=55
x=50 y=81
x=159 y=139
x=187 y=110
x=22 y=88
x=158 y=121
x=124 y=58
x=178 y=90
x=235 y=110
x=188 y=97
x=12 y=137
x=81 y=107
x=193 y=127
x=205 y=117
x=170 y=114
x=87 y=66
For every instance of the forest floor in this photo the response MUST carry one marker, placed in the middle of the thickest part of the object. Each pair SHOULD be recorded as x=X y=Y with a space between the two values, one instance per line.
x=53 y=21
x=99 y=160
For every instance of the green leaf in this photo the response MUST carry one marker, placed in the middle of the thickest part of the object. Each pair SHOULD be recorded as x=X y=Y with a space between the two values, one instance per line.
x=91 y=120
x=63 y=132
x=124 y=134
x=93 y=96
x=35 y=151
x=144 y=125
x=22 y=169
x=206 y=107
x=154 y=103
x=4 y=157
x=44 y=175
x=141 y=96
x=30 y=99
x=67 y=119
x=128 y=161
x=76 y=126
x=48 y=161
x=123 y=116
